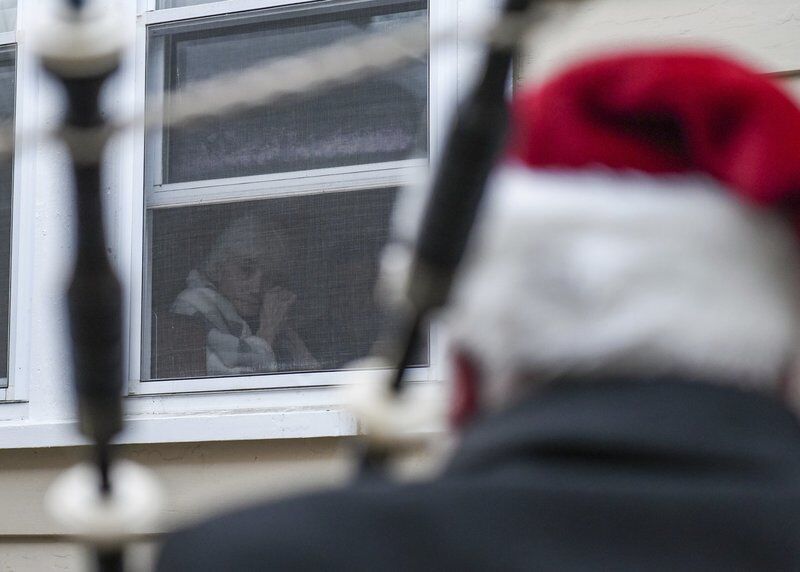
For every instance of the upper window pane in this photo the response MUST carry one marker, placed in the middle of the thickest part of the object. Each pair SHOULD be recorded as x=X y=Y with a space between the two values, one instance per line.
x=7 y=96
x=382 y=118
x=8 y=15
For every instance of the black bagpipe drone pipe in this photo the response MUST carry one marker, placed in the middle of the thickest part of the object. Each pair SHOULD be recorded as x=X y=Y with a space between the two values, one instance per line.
x=107 y=503
x=476 y=139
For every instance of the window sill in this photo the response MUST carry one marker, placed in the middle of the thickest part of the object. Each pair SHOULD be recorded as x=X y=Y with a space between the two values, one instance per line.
x=22 y=434
x=213 y=416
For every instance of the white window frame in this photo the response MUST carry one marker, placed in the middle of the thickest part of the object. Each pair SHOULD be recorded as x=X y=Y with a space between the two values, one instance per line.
x=15 y=395
x=399 y=173
x=37 y=409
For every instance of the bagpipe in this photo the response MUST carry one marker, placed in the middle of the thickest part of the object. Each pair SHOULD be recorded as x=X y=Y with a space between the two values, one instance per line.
x=112 y=502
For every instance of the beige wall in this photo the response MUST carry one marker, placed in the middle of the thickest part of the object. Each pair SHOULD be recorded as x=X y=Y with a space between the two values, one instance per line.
x=199 y=479
x=763 y=32
x=203 y=477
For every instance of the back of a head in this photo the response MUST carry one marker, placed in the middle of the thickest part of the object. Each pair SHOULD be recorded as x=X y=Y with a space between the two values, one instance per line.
x=641 y=228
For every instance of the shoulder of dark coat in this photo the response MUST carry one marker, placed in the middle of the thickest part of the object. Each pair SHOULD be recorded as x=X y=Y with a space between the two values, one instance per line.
x=316 y=531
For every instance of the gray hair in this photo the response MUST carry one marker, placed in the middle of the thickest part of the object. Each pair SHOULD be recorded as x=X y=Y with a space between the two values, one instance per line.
x=248 y=236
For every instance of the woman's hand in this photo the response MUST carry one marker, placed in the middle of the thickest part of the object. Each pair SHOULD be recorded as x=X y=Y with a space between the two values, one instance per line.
x=274 y=308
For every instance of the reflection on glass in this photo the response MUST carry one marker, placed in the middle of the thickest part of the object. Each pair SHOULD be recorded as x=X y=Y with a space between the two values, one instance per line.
x=381 y=118
x=266 y=286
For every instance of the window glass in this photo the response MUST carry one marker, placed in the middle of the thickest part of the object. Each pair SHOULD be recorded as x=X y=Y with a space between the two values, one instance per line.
x=8 y=15
x=279 y=281
x=375 y=120
x=7 y=92
x=275 y=285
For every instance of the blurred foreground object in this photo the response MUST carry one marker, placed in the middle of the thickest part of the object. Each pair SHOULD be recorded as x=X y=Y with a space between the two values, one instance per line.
x=80 y=43
x=624 y=332
x=430 y=260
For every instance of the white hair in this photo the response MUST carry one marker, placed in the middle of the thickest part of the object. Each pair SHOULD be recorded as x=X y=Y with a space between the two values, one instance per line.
x=246 y=237
x=626 y=276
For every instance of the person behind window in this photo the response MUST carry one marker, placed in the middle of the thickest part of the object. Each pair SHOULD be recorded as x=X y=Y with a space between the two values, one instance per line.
x=237 y=300
x=626 y=336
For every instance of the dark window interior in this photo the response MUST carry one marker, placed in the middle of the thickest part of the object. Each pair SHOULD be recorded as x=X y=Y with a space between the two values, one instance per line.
x=7 y=97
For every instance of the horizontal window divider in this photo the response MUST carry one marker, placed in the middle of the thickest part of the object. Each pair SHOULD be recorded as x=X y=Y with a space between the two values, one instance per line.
x=238 y=189
x=7 y=38
x=167 y=15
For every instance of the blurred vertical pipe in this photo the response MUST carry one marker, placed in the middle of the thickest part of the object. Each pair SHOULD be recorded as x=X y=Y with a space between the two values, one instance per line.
x=475 y=142
x=94 y=295
x=94 y=300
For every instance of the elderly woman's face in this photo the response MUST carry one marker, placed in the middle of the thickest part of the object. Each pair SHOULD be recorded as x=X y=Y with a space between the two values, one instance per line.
x=242 y=281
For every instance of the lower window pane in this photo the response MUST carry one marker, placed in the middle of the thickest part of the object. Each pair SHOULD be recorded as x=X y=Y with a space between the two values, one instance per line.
x=275 y=285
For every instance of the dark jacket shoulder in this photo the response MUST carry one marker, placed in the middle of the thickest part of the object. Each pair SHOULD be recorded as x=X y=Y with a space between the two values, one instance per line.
x=609 y=476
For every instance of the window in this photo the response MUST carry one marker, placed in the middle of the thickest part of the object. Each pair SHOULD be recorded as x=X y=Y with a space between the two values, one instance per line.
x=8 y=83
x=15 y=210
x=263 y=229
x=314 y=213
x=8 y=90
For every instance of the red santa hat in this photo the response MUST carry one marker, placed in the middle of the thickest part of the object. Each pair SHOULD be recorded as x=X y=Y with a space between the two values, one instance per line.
x=666 y=112
x=640 y=227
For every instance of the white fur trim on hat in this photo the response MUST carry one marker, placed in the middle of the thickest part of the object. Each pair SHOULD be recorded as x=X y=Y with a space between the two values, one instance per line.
x=607 y=274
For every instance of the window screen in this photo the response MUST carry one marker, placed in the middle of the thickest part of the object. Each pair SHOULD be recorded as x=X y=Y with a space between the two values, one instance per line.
x=281 y=282
x=7 y=91
x=296 y=272
x=376 y=120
